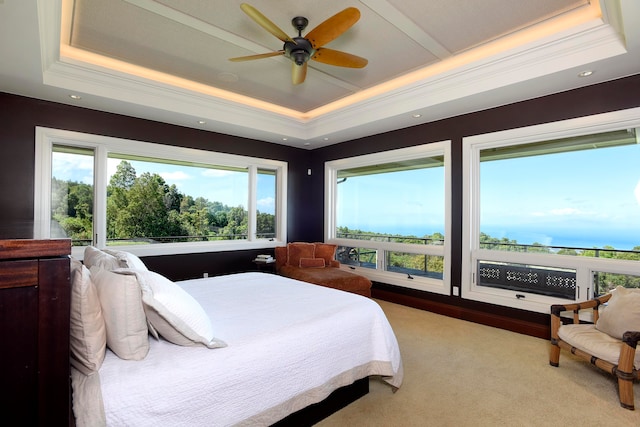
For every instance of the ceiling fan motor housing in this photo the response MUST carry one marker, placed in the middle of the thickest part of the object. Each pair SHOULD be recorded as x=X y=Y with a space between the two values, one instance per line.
x=300 y=51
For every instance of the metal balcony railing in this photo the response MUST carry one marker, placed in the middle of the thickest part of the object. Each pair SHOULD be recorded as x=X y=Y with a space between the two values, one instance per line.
x=554 y=282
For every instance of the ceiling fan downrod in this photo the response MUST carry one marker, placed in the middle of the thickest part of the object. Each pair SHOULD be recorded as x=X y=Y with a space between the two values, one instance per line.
x=300 y=51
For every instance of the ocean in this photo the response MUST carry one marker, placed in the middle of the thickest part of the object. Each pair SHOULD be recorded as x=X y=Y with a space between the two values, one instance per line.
x=593 y=238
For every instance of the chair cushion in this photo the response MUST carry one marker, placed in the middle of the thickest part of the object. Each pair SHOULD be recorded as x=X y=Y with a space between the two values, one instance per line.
x=331 y=278
x=311 y=262
x=589 y=339
x=299 y=250
x=326 y=251
x=621 y=314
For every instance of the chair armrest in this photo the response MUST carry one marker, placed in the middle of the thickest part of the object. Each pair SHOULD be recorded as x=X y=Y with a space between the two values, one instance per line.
x=556 y=309
x=593 y=304
x=631 y=338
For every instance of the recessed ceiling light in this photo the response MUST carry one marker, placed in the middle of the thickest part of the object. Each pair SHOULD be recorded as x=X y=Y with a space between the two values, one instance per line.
x=306 y=144
x=201 y=122
x=75 y=97
x=325 y=139
x=585 y=73
x=416 y=116
x=284 y=139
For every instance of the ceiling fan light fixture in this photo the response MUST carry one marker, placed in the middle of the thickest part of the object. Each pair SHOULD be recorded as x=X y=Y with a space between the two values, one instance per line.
x=300 y=51
x=300 y=56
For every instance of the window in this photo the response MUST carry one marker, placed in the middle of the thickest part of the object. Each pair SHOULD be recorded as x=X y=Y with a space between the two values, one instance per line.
x=550 y=211
x=389 y=214
x=154 y=199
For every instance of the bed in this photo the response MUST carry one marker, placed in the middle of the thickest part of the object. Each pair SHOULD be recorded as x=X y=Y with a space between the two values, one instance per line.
x=280 y=345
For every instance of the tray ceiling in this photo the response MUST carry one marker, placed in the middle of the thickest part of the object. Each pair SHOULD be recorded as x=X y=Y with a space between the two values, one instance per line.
x=167 y=60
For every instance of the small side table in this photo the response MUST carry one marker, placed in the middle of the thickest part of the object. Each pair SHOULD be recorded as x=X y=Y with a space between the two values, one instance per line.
x=265 y=266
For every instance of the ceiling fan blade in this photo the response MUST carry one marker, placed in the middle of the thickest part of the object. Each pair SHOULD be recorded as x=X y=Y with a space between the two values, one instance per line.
x=298 y=73
x=265 y=23
x=258 y=56
x=333 y=27
x=341 y=59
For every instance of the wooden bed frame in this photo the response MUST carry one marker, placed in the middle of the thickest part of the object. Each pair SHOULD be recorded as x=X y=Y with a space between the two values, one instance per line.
x=337 y=400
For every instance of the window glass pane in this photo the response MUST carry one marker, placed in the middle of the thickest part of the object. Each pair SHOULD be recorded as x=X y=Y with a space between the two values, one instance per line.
x=535 y=279
x=606 y=282
x=159 y=201
x=566 y=196
x=266 y=204
x=72 y=173
x=359 y=257
x=392 y=201
x=415 y=264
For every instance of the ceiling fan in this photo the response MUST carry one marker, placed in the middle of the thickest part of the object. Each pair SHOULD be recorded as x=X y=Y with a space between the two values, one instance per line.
x=300 y=49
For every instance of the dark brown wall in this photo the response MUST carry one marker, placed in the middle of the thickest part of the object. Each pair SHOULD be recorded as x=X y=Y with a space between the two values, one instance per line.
x=20 y=116
x=611 y=96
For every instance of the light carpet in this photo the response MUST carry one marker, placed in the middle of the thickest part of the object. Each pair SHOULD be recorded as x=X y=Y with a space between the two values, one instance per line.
x=459 y=373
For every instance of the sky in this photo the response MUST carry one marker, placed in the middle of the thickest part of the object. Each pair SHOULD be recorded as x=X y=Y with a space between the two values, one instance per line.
x=580 y=199
x=583 y=196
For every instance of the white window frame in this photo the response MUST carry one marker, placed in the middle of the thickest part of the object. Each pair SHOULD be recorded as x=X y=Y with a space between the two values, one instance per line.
x=442 y=148
x=471 y=252
x=46 y=138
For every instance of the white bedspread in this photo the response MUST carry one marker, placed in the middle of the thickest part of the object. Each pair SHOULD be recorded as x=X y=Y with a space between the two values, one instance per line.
x=289 y=345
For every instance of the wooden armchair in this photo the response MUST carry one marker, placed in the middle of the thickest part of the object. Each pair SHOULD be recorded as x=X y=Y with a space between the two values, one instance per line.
x=612 y=352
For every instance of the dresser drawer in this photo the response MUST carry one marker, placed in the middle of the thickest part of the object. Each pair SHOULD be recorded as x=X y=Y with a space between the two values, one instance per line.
x=15 y=274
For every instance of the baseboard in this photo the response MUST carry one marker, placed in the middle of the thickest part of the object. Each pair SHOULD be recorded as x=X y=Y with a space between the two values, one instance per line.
x=495 y=316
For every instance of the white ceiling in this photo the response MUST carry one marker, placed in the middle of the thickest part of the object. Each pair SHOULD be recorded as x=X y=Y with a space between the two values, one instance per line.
x=167 y=60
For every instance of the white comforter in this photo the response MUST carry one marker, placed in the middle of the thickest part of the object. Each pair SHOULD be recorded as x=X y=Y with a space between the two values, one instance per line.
x=289 y=345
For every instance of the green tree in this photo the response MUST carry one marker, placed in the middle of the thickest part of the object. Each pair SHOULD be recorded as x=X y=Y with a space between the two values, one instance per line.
x=146 y=214
x=118 y=189
x=266 y=224
x=72 y=208
x=237 y=223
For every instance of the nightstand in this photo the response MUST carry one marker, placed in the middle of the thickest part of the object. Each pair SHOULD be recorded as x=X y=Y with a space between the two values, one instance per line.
x=267 y=267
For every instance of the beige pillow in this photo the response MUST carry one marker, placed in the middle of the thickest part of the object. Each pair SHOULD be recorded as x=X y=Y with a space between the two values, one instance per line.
x=95 y=257
x=172 y=312
x=88 y=336
x=127 y=259
x=621 y=314
x=125 y=321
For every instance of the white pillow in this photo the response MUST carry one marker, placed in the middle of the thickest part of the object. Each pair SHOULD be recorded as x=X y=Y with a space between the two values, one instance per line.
x=95 y=257
x=127 y=259
x=88 y=336
x=126 y=324
x=173 y=313
x=621 y=314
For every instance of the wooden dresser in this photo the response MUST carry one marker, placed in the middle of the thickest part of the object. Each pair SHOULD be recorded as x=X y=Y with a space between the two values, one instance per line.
x=35 y=293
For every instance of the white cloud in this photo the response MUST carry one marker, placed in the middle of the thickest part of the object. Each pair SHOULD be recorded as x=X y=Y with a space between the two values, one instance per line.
x=267 y=202
x=175 y=176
